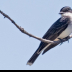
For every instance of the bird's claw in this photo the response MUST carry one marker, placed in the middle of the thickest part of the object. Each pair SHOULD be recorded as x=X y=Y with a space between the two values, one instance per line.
x=66 y=39
x=61 y=41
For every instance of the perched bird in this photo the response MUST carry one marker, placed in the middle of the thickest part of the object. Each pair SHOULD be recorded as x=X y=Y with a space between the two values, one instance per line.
x=62 y=28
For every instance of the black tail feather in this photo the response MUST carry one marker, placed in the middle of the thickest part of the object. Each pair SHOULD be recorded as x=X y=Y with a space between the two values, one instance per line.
x=33 y=58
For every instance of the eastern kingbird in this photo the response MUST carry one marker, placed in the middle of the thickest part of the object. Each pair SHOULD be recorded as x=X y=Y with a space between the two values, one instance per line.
x=62 y=28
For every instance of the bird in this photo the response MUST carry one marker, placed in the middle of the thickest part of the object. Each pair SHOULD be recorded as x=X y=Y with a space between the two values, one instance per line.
x=60 y=29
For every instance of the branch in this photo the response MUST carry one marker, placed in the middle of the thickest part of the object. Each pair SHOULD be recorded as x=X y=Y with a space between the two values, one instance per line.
x=25 y=32
x=22 y=29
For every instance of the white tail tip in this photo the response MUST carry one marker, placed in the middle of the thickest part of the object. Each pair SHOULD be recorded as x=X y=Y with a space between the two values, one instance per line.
x=28 y=63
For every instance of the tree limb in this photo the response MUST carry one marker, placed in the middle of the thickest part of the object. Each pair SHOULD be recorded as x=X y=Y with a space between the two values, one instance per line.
x=25 y=32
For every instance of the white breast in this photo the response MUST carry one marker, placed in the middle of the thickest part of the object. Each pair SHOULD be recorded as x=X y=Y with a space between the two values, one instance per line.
x=68 y=30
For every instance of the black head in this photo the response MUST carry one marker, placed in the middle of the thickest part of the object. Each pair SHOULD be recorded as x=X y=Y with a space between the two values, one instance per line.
x=65 y=9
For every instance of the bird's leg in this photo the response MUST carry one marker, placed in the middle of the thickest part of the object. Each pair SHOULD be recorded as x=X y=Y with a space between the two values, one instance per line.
x=67 y=38
x=64 y=39
x=61 y=41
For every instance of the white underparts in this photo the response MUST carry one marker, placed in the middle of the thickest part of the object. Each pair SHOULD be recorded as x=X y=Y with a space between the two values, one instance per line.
x=68 y=30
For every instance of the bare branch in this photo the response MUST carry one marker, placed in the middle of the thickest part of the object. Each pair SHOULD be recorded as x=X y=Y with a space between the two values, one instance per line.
x=25 y=32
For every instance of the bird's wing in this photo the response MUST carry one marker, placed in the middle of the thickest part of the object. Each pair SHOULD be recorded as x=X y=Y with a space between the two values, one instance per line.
x=54 y=31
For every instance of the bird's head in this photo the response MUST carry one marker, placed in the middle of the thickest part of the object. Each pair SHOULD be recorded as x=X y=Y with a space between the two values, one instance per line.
x=65 y=11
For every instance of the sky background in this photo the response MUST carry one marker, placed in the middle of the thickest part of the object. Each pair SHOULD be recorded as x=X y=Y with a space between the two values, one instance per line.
x=35 y=16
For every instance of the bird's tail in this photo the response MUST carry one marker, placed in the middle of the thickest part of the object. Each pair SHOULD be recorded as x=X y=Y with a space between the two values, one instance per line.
x=33 y=58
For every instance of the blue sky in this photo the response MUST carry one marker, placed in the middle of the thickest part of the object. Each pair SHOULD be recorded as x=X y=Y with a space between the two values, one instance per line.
x=35 y=16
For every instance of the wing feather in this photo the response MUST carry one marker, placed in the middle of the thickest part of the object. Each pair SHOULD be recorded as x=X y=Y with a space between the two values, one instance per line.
x=54 y=31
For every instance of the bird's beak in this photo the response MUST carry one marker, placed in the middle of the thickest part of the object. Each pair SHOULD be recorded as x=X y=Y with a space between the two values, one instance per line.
x=61 y=13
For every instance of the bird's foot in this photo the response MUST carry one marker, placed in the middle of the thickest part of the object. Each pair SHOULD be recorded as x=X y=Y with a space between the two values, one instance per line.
x=61 y=41
x=67 y=38
x=64 y=39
